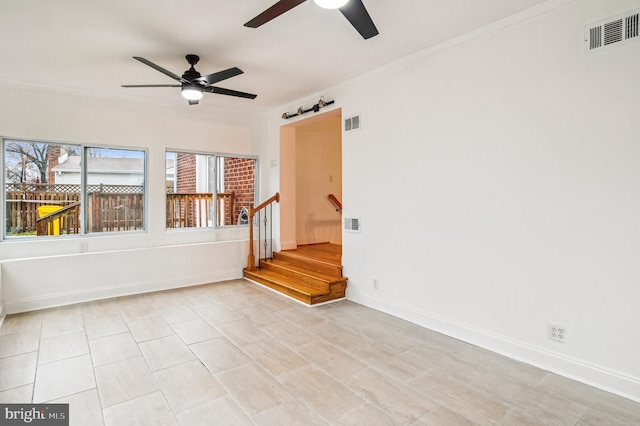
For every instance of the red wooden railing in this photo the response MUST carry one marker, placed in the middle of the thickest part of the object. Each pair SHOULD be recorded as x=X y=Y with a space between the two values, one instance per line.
x=335 y=202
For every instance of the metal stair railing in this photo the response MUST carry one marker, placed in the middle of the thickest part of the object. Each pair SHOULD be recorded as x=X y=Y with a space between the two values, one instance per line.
x=251 y=261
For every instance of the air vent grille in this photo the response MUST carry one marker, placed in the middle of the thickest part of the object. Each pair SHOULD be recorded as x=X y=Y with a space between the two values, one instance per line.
x=614 y=31
x=355 y=121
x=632 y=26
x=596 y=37
x=352 y=224
x=352 y=123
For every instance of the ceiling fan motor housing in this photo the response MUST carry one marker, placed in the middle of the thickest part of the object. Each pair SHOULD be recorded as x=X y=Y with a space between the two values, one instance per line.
x=191 y=74
x=192 y=59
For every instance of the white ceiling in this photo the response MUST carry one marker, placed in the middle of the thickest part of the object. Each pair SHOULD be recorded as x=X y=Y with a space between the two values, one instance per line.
x=88 y=45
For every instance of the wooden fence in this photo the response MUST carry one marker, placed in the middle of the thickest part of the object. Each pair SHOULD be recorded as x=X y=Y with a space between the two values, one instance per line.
x=53 y=209
x=110 y=207
x=23 y=200
x=110 y=212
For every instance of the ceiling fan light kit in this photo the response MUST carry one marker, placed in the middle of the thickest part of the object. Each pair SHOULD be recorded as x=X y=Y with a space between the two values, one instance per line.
x=191 y=92
x=331 y=4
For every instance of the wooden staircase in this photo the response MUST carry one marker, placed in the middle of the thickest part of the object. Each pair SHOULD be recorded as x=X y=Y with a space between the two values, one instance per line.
x=311 y=274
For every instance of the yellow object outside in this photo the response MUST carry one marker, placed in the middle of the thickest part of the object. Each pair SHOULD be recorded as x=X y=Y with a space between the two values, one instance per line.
x=45 y=210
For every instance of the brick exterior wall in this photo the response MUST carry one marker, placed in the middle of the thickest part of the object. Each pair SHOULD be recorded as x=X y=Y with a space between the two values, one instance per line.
x=53 y=153
x=185 y=173
x=239 y=178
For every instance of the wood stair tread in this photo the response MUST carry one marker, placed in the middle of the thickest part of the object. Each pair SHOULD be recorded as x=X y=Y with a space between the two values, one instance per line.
x=294 y=254
x=325 y=252
x=287 y=282
x=310 y=264
x=295 y=268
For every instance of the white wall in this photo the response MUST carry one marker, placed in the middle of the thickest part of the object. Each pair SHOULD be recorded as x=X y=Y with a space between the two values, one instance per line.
x=498 y=186
x=2 y=310
x=49 y=272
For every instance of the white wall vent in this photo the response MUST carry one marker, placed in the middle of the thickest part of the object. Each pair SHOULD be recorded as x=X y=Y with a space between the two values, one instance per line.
x=352 y=123
x=352 y=224
x=615 y=31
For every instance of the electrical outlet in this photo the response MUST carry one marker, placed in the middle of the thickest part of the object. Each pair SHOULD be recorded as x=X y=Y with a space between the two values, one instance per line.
x=376 y=283
x=557 y=332
x=84 y=247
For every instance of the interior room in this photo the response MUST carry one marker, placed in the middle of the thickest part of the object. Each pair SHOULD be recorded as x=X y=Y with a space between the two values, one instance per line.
x=466 y=172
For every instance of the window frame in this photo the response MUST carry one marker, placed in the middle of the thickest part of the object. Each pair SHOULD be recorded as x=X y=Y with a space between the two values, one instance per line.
x=215 y=155
x=83 y=216
x=85 y=185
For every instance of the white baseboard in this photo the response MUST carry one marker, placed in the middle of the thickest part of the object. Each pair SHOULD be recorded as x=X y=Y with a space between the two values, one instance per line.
x=579 y=370
x=91 y=294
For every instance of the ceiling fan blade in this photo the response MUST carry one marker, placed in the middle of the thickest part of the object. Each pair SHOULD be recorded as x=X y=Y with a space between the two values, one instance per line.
x=151 y=85
x=162 y=70
x=193 y=102
x=273 y=12
x=357 y=14
x=229 y=92
x=219 y=76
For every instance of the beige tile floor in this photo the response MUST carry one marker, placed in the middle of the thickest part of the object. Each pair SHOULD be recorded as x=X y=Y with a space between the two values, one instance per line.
x=234 y=354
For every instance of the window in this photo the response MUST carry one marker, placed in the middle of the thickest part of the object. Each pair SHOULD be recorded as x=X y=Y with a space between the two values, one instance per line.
x=207 y=190
x=189 y=195
x=236 y=186
x=48 y=191
x=115 y=189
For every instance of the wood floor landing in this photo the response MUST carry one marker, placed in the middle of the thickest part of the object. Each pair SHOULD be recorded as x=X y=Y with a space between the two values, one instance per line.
x=325 y=252
x=311 y=273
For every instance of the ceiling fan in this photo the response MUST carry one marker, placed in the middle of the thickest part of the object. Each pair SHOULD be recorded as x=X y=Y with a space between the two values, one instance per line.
x=193 y=84
x=353 y=10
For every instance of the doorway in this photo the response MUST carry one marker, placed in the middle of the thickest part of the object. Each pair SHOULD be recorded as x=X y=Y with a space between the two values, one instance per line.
x=310 y=171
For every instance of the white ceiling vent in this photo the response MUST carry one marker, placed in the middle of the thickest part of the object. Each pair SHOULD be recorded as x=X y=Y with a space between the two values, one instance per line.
x=615 y=31
x=352 y=224
x=352 y=123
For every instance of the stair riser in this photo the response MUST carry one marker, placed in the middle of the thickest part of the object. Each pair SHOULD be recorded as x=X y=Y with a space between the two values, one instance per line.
x=338 y=291
x=281 y=289
x=282 y=269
